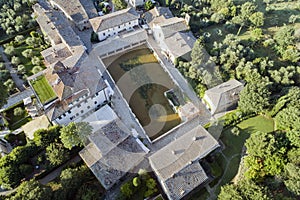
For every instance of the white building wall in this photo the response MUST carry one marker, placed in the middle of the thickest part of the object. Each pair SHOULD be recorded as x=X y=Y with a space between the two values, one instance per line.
x=102 y=35
x=208 y=102
x=85 y=106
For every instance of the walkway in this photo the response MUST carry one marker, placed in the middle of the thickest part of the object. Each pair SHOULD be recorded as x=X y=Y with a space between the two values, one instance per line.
x=50 y=177
x=212 y=190
x=19 y=82
x=56 y=172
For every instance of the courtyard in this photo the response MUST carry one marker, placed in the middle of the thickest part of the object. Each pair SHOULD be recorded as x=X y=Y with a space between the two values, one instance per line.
x=143 y=83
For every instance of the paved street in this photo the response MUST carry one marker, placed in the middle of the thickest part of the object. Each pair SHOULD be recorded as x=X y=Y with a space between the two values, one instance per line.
x=13 y=72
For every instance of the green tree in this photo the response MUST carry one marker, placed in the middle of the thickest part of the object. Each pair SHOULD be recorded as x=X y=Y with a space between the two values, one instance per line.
x=9 y=84
x=243 y=190
x=127 y=189
x=36 y=69
x=293 y=178
x=229 y=192
x=44 y=137
x=257 y=19
x=21 y=69
x=19 y=38
x=285 y=75
x=87 y=193
x=56 y=154
x=28 y=53
x=266 y=152
x=26 y=169
x=217 y=5
x=136 y=182
x=149 y=5
x=288 y=118
x=4 y=95
x=256 y=34
x=254 y=98
x=151 y=187
x=9 y=50
x=119 y=4
x=72 y=179
x=33 y=190
x=75 y=134
x=18 y=111
x=285 y=36
x=247 y=9
x=35 y=60
x=15 y=60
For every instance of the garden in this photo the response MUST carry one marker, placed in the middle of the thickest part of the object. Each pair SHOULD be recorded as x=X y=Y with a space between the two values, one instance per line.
x=103 y=7
x=43 y=89
x=140 y=187
x=15 y=18
x=224 y=166
x=24 y=54
x=16 y=116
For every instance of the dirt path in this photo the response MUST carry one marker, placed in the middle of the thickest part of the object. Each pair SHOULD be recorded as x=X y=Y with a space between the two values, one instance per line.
x=212 y=190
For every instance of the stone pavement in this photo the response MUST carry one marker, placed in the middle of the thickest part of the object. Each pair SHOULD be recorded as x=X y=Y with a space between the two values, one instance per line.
x=16 y=98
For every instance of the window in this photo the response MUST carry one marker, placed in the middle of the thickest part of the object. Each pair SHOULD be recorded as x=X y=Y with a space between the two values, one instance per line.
x=103 y=34
x=69 y=111
x=81 y=111
x=64 y=114
x=95 y=102
x=78 y=106
x=119 y=26
x=59 y=117
x=77 y=114
x=129 y=23
x=88 y=107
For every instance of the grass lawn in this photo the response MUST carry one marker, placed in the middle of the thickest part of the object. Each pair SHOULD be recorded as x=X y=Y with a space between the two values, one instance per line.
x=43 y=89
x=258 y=123
x=234 y=144
x=27 y=61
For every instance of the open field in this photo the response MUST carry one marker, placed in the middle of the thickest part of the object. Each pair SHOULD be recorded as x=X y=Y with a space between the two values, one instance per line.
x=234 y=144
x=228 y=161
x=43 y=89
